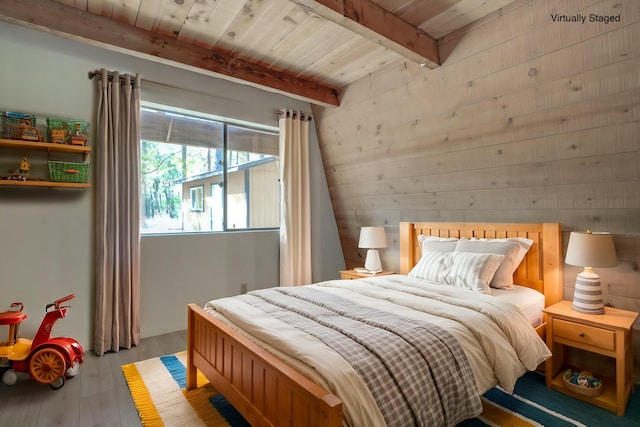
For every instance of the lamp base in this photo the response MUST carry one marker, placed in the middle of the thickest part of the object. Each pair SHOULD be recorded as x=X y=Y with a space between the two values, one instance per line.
x=587 y=296
x=372 y=263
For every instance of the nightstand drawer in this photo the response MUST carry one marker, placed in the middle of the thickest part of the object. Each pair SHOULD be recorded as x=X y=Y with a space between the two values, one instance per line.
x=589 y=335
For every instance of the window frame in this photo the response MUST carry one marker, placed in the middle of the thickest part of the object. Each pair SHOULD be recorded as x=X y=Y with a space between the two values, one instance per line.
x=203 y=208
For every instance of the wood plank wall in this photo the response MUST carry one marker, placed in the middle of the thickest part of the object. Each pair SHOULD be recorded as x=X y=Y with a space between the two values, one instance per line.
x=528 y=120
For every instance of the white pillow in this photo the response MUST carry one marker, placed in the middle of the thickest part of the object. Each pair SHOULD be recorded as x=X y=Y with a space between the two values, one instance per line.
x=503 y=278
x=432 y=266
x=473 y=271
x=436 y=244
x=523 y=242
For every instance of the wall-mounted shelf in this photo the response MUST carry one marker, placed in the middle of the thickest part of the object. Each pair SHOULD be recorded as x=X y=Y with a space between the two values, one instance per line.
x=45 y=146
x=8 y=182
x=13 y=144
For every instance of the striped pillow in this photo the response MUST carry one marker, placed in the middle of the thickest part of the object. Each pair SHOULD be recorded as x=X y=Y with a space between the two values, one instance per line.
x=432 y=266
x=472 y=271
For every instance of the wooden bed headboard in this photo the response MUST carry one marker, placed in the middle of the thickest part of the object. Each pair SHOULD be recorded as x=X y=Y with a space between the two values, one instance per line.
x=541 y=268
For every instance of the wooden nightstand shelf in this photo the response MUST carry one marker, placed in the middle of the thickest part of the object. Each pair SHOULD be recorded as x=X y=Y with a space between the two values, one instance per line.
x=607 y=334
x=352 y=274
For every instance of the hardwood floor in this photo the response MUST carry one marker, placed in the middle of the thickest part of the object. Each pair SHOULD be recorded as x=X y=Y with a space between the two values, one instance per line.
x=97 y=396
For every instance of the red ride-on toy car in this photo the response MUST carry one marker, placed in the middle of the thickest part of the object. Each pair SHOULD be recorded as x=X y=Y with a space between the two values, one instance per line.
x=48 y=360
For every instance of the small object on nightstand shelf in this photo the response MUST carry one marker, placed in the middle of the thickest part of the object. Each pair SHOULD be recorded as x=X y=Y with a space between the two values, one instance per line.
x=582 y=383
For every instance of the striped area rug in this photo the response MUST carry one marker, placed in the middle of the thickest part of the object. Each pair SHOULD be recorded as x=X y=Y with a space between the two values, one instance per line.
x=158 y=390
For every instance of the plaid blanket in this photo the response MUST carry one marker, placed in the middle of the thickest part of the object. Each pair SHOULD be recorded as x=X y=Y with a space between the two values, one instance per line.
x=416 y=371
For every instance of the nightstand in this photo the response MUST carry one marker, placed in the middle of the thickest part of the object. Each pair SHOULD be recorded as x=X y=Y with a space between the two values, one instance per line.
x=352 y=274
x=607 y=334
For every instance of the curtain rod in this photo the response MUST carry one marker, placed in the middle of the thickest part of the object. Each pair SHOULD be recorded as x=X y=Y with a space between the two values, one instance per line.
x=292 y=112
x=98 y=73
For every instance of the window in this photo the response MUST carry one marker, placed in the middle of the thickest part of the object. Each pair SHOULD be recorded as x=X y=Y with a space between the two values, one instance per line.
x=196 y=195
x=203 y=174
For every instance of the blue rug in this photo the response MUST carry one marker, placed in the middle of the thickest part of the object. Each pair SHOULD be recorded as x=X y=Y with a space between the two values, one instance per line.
x=532 y=403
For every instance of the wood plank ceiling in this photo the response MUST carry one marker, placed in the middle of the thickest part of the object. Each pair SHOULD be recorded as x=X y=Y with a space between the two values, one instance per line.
x=307 y=49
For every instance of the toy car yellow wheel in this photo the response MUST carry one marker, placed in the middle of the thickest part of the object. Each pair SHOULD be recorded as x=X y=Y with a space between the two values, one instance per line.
x=47 y=365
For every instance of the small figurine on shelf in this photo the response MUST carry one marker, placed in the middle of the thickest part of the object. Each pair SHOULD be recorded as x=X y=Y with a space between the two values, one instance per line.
x=58 y=136
x=23 y=173
x=25 y=166
x=77 y=137
x=28 y=132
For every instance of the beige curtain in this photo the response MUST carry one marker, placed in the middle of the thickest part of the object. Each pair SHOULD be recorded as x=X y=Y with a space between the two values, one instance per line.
x=295 y=211
x=117 y=157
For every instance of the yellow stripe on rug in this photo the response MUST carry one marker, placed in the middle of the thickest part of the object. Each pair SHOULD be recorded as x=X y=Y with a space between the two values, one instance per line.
x=141 y=397
x=497 y=415
x=162 y=401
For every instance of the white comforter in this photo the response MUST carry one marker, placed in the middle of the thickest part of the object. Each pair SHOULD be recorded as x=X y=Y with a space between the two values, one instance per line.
x=498 y=340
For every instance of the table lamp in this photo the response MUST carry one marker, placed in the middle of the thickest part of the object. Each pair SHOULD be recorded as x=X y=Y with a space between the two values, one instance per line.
x=588 y=250
x=372 y=238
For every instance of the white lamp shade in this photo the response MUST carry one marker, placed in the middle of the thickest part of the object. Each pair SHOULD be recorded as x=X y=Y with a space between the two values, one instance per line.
x=587 y=249
x=372 y=238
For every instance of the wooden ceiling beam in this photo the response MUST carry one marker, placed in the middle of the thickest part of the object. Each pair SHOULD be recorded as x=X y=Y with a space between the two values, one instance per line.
x=380 y=26
x=66 y=21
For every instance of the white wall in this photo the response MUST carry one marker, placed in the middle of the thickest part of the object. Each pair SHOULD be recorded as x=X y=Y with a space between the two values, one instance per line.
x=199 y=267
x=46 y=235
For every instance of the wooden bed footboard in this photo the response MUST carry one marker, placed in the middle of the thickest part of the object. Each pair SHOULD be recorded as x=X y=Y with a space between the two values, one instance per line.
x=260 y=386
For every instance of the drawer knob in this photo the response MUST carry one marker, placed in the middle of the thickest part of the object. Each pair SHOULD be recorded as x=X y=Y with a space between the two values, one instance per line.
x=581 y=334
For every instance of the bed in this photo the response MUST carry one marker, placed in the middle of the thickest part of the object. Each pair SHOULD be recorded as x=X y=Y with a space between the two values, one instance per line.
x=271 y=390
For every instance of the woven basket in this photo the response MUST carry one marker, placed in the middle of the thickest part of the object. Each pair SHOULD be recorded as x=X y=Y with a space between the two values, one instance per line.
x=68 y=172
x=585 y=391
x=10 y=124
x=67 y=128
